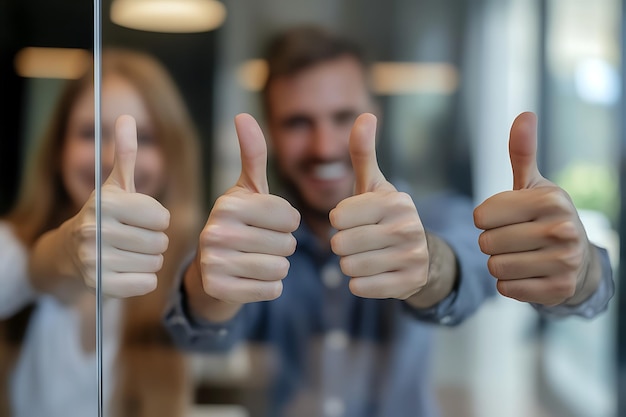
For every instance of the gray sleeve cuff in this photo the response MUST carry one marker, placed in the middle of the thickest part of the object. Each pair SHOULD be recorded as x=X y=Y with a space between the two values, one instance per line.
x=193 y=333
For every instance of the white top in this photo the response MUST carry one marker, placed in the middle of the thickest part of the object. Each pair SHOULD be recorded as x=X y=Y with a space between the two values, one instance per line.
x=15 y=289
x=55 y=376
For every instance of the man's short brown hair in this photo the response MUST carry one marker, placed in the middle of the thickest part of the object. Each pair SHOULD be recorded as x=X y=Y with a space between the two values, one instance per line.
x=303 y=47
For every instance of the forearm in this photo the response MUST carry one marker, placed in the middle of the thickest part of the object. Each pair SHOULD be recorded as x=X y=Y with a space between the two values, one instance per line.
x=442 y=274
x=200 y=303
x=51 y=267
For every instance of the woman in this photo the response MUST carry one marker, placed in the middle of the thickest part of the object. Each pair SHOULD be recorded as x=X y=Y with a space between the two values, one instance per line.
x=143 y=374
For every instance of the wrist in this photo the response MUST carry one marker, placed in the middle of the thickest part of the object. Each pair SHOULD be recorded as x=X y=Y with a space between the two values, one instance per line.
x=442 y=274
x=201 y=304
x=588 y=278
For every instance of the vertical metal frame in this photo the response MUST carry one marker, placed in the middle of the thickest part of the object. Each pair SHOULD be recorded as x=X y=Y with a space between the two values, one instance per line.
x=621 y=273
x=97 y=57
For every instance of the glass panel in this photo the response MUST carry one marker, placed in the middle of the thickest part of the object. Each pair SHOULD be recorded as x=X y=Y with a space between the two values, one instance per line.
x=317 y=349
x=495 y=47
x=584 y=88
x=163 y=80
x=448 y=78
x=47 y=365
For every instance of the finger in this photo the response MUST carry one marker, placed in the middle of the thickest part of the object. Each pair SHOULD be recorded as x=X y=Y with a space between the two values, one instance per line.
x=387 y=285
x=242 y=290
x=139 y=210
x=520 y=206
x=247 y=265
x=523 y=237
x=363 y=154
x=549 y=291
x=123 y=261
x=359 y=239
x=266 y=211
x=253 y=154
x=135 y=239
x=523 y=151
x=128 y=284
x=123 y=173
x=511 y=266
x=371 y=208
x=248 y=239
x=377 y=262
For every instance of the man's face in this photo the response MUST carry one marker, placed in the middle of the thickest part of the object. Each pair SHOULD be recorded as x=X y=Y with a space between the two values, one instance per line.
x=310 y=118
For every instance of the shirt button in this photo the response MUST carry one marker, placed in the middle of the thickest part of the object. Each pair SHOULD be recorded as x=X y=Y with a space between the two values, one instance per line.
x=331 y=276
x=445 y=320
x=222 y=332
x=336 y=339
x=334 y=407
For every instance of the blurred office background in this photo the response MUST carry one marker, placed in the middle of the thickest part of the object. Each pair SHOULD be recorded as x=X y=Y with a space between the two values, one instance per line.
x=451 y=77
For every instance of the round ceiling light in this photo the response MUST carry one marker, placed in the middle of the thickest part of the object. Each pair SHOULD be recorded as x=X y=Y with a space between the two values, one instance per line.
x=177 y=16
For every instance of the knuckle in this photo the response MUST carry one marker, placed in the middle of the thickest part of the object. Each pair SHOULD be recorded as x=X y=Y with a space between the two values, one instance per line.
x=408 y=231
x=294 y=221
x=86 y=232
x=210 y=262
x=215 y=288
x=272 y=291
x=213 y=235
x=357 y=288
x=402 y=200
x=162 y=217
x=347 y=266
x=570 y=259
x=162 y=242
x=505 y=289
x=479 y=218
x=281 y=269
x=485 y=243
x=556 y=200
x=338 y=243
x=290 y=245
x=86 y=255
x=226 y=205
x=418 y=256
x=157 y=263
x=496 y=267
x=336 y=218
x=147 y=285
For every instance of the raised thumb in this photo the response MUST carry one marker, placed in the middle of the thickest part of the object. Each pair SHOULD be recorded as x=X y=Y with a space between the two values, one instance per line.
x=523 y=151
x=253 y=154
x=367 y=174
x=123 y=172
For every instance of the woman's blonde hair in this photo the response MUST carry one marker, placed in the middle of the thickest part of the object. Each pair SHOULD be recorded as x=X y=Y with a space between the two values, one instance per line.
x=151 y=373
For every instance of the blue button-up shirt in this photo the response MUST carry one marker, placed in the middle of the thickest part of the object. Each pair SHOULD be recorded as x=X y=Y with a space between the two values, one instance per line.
x=342 y=355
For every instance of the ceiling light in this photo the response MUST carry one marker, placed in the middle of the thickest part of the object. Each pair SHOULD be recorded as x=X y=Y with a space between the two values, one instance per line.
x=388 y=78
x=392 y=78
x=177 y=16
x=252 y=74
x=66 y=63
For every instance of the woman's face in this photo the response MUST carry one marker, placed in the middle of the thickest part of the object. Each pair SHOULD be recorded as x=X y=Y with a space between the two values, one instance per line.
x=78 y=159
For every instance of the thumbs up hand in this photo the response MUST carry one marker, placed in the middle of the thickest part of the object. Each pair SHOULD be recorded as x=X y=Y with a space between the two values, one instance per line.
x=133 y=225
x=243 y=248
x=380 y=238
x=538 y=248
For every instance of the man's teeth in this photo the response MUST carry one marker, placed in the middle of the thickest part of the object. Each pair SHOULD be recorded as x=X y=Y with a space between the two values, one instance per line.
x=330 y=171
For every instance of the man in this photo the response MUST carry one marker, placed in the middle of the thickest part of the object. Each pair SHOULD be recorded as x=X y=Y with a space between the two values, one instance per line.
x=344 y=276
